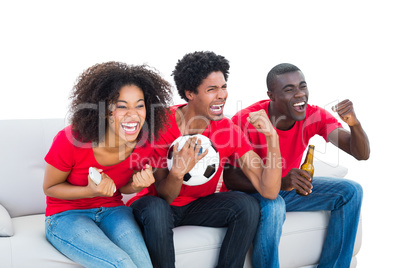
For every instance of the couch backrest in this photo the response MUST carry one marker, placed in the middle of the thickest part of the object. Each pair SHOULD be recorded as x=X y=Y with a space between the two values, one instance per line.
x=23 y=146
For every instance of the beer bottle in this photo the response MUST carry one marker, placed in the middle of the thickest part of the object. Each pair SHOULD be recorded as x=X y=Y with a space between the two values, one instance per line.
x=308 y=164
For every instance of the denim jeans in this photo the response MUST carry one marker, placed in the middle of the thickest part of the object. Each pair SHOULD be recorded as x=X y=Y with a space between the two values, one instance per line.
x=237 y=211
x=100 y=237
x=340 y=196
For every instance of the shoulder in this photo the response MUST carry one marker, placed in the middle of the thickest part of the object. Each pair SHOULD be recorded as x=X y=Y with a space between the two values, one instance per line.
x=66 y=150
x=225 y=129
x=171 y=130
x=69 y=137
x=316 y=113
x=225 y=121
x=320 y=121
x=64 y=136
x=225 y=125
x=311 y=109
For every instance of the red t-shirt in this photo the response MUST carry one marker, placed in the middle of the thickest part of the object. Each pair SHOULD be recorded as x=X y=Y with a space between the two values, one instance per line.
x=69 y=154
x=227 y=138
x=292 y=142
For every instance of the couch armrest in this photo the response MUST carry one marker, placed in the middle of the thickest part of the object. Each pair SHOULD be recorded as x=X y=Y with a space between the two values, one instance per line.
x=6 y=226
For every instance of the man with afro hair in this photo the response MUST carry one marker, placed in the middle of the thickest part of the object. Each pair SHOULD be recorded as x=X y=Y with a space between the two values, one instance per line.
x=201 y=78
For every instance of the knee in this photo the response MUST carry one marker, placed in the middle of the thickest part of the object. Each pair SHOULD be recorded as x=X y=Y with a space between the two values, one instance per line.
x=273 y=209
x=248 y=206
x=357 y=192
x=354 y=190
x=348 y=193
x=151 y=209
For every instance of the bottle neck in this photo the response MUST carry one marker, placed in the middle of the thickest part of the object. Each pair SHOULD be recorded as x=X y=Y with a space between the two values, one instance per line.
x=310 y=154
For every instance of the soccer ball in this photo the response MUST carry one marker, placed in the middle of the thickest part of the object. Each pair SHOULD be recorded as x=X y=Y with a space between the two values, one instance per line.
x=205 y=168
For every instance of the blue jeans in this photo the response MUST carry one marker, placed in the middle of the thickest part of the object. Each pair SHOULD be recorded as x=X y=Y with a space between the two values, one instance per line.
x=340 y=196
x=100 y=237
x=237 y=211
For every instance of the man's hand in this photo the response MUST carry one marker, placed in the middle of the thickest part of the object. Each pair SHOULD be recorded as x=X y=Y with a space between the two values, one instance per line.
x=185 y=159
x=346 y=112
x=297 y=179
x=261 y=123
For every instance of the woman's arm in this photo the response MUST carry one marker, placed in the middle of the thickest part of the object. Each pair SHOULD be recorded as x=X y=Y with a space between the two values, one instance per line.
x=55 y=185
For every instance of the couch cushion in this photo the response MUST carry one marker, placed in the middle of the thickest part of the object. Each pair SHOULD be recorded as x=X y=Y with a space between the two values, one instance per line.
x=30 y=247
x=302 y=238
x=6 y=227
x=198 y=247
x=194 y=245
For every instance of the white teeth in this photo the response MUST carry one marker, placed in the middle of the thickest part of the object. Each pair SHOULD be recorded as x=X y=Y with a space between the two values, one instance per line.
x=216 y=107
x=129 y=126
x=299 y=104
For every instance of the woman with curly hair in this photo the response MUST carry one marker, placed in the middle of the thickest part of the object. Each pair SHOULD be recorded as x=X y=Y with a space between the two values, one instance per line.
x=111 y=130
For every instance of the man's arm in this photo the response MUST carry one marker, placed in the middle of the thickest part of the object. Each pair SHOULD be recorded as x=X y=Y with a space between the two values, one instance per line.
x=266 y=179
x=235 y=180
x=355 y=142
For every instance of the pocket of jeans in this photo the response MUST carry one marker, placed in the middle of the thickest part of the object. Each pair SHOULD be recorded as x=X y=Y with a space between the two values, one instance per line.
x=50 y=224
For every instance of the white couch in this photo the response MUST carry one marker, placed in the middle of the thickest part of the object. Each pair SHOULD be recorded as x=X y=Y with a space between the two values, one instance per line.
x=23 y=145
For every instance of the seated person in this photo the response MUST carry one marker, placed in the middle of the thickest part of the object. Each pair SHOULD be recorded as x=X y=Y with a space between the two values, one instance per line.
x=201 y=80
x=296 y=122
x=111 y=103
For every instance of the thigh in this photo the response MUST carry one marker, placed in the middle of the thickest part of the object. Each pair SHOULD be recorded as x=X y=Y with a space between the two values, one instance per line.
x=156 y=220
x=219 y=209
x=152 y=210
x=76 y=235
x=120 y=227
x=271 y=210
x=327 y=194
x=119 y=224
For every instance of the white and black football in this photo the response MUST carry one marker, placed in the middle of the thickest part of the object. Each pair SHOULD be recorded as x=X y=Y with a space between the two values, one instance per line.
x=205 y=168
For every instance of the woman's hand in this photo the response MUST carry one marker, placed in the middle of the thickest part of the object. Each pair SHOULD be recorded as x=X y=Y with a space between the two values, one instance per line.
x=142 y=179
x=105 y=188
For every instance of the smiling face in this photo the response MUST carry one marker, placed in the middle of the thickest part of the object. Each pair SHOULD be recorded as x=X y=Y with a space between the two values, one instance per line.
x=127 y=116
x=210 y=98
x=289 y=98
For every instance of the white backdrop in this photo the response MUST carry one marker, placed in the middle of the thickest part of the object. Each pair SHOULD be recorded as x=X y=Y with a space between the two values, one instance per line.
x=346 y=49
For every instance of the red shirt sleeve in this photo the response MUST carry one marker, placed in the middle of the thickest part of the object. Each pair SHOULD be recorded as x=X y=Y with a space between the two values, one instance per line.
x=320 y=122
x=61 y=153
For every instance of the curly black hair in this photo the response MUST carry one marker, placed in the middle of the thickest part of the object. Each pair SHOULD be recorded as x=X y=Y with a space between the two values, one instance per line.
x=279 y=69
x=98 y=87
x=195 y=67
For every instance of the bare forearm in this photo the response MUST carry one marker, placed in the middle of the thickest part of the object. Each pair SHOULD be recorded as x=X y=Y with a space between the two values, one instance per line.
x=129 y=189
x=255 y=176
x=235 y=180
x=68 y=191
x=270 y=183
x=169 y=188
x=359 y=143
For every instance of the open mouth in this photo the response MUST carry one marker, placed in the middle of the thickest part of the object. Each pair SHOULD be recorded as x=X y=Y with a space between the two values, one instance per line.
x=130 y=127
x=216 y=109
x=300 y=106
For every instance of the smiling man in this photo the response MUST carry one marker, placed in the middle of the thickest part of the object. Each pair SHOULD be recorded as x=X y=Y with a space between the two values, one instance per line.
x=201 y=78
x=295 y=122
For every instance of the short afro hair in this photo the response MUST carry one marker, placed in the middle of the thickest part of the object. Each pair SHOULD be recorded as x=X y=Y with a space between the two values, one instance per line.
x=98 y=87
x=195 y=67
x=279 y=69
